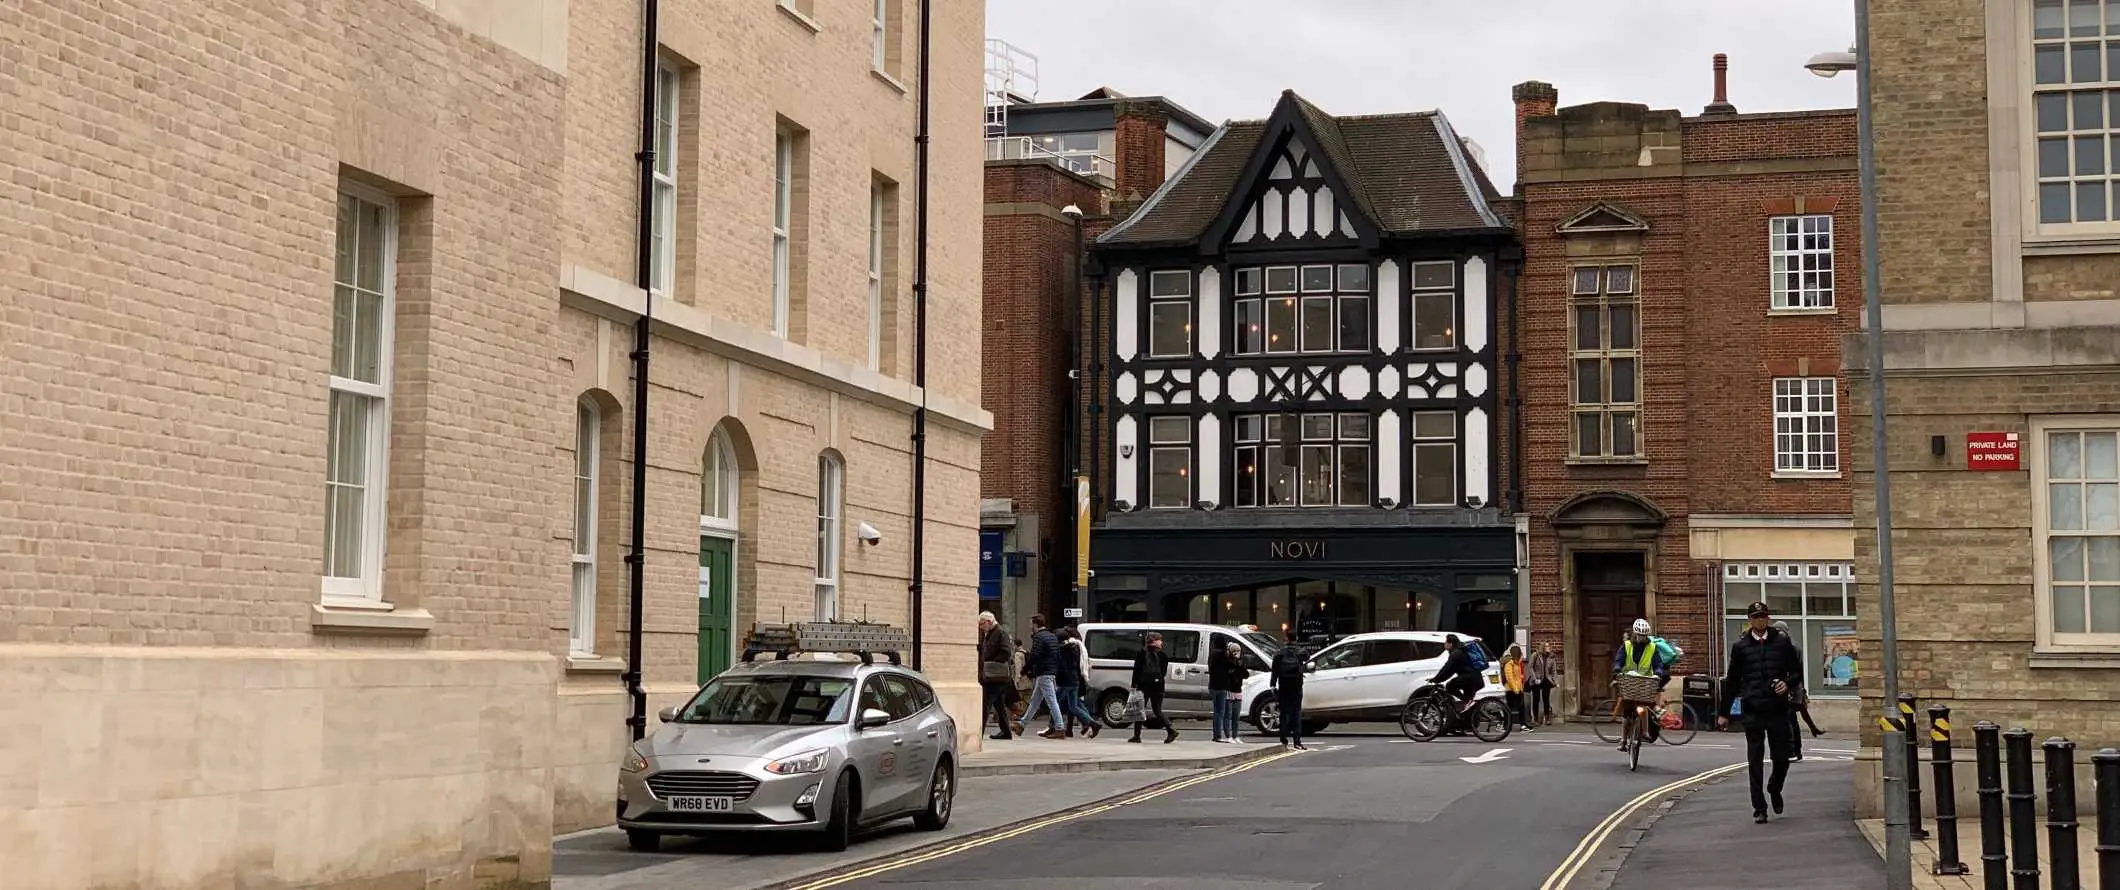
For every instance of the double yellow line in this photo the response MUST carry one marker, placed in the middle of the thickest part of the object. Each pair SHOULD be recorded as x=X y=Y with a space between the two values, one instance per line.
x=1597 y=836
x=890 y=865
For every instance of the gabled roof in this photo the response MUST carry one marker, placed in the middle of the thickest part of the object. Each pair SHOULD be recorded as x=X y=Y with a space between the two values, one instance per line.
x=1602 y=217
x=1407 y=174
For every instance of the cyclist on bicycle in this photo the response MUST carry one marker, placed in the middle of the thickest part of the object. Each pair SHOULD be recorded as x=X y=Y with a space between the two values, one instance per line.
x=1458 y=674
x=1642 y=655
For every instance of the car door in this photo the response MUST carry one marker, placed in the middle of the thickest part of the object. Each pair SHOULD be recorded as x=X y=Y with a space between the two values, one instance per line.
x=918 y=737
x=877 y=753
x=1330 y=684
x=1385 y=678
x=1185 y=686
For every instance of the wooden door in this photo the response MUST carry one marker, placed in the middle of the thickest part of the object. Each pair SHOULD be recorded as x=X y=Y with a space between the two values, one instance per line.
x=1611 y=591
x=717 y=604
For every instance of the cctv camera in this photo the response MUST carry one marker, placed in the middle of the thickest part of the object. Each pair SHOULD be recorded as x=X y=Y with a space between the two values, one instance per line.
x=868 y=533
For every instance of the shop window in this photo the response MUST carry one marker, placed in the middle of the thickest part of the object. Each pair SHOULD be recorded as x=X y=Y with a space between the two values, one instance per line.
x=1814 y=599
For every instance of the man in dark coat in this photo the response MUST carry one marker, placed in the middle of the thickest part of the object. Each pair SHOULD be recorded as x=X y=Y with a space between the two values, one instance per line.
x=1289 y=665
x=1042 y=665
x=1151 y=669
x=997 y=672
x=1766 y=668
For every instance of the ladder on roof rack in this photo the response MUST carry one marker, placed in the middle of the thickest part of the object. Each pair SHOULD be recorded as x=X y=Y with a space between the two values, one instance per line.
x=858 y=638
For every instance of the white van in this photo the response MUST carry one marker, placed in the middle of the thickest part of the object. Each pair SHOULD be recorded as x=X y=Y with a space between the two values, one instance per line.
x=1112 y=648
x=1365 y=677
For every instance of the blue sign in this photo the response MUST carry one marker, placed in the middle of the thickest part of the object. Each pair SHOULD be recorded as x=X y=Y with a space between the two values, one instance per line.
x=993 y=565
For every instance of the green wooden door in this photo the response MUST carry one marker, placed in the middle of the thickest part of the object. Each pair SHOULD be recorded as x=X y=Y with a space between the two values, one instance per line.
x=717 y=604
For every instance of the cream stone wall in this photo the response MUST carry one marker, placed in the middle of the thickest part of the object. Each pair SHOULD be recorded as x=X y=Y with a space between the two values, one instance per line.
x=168 y=180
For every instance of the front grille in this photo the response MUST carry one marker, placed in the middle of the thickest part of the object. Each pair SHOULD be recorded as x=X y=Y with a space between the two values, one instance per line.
x=702 y=784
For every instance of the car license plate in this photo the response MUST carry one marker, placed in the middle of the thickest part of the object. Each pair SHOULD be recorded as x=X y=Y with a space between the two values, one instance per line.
x=702 y=804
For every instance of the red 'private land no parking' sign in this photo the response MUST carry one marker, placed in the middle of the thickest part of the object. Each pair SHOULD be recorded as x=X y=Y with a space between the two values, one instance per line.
x=1991 y=451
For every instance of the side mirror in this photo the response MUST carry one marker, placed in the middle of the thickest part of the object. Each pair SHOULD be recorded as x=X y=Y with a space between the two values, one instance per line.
x=666 y=715
x=874 y=717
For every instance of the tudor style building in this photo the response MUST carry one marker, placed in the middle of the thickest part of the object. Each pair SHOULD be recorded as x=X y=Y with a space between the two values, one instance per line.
x=1302 y=384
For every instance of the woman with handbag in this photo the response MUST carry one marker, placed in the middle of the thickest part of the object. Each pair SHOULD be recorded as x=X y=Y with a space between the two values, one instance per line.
x=997 y=673
x=1540 y=675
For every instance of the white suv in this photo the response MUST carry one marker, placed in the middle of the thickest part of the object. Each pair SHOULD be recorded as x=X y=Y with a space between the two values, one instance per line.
x=1365 y=677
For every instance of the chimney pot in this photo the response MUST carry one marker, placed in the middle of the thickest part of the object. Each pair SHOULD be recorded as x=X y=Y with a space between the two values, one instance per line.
x=1721 y=105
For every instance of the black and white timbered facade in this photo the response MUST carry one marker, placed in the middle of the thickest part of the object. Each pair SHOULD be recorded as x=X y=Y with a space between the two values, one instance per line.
x=1303 y=428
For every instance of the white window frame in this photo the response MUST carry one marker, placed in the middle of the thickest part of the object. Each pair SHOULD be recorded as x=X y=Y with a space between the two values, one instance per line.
x=880 y=59
x=2048 y=637
x=1745 y=582
x=1413 y=305
x=1608 y=412
x=831 y=510
x=1170 y=448
x=1806 y=409
x=1428 y=444
x=668 y=94
x=1800 y=263
x=719 y=478
x=876 y=196
x=588 y=467
x=1158 y=300
x=2028 y=135
x=783 y=226
x=367 y=589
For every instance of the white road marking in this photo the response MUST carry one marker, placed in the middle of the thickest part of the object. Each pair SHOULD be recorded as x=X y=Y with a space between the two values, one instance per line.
x=1490 y=756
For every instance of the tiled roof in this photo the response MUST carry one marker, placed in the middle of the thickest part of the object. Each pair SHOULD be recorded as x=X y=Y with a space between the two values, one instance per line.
x=1407 y=173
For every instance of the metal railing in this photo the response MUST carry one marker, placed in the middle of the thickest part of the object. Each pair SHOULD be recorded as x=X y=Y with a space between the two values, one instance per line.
x=1009 y=148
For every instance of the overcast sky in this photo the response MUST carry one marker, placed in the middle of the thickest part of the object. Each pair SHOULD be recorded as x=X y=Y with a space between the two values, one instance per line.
x=1231 y=58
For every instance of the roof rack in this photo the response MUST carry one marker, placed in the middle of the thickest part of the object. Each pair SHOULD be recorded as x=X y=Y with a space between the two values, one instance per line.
x=861 y=639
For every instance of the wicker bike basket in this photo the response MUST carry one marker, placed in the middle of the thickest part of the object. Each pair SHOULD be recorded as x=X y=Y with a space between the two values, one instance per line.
x=1627 y=687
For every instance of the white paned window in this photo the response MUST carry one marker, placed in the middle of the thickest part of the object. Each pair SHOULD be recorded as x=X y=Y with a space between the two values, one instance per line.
x=665 y=229
x=2076 y=460
x=1605 y=363
x=880 y=25
x=783 y=225
x=358 y=417
x=1817 y=602
x=831 y=500
x=718 y=480
x=581 y=617
x=1435 y=470
x=1800 y=258
x=1170 y=462
x=2076 y=108
x=876 y=196
x=1806 y=425
x=1309 y=309
x=1170 y=313
x=1435 y=305
x=1307 y=460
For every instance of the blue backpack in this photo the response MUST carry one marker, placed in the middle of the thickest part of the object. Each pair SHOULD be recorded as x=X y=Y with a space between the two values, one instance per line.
x=1477 y=654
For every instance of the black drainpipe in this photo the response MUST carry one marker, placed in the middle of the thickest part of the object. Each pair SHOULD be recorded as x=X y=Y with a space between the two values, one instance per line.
x=1512 y=269
x=1071 y=433
x=1094 y=340
x=637 y=557
x=920 y=295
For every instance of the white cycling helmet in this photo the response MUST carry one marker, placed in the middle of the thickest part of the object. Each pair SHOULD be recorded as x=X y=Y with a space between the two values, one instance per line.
x=1641 y=626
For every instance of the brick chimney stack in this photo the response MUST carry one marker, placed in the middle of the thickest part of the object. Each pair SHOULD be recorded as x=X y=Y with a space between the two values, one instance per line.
x=1534 y=98
x=1721 y=105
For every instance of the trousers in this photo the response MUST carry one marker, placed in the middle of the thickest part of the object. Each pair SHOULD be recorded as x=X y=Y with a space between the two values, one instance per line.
x=1767 y=737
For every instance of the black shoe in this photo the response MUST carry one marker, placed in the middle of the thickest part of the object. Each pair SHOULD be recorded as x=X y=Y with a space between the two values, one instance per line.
x=1136 y=740
x=1000 y=737
x=1759 y=816
x=1817 y=732
x=1775 y=796
x=1796 y=758
x=1172 y=737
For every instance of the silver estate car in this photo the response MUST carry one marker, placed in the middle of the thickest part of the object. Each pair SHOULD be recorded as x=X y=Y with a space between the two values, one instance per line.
x=803 y=745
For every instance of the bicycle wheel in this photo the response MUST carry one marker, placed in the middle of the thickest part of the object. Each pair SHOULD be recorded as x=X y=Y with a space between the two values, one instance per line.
x=1689 y=724
x=1604 y=717
x=1422 y=720
x=1490 y=721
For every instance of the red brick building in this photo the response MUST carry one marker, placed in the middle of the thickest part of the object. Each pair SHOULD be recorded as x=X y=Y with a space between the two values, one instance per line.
x=1099 y=155
x=1687 y=282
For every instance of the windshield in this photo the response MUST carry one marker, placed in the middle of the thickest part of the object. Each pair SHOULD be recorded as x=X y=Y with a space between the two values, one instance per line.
x=1266 y=643
x=771 y=701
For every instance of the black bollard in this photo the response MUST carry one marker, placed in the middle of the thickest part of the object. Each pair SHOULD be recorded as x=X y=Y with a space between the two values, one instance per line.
x=2061 y=813
x=1909 y=725
x=1947 y=861
x=1987 y=769
x=2106 y=764
x=2024 y=818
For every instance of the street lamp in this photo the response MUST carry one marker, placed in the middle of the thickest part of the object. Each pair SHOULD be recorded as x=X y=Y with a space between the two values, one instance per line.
x=1899 y=853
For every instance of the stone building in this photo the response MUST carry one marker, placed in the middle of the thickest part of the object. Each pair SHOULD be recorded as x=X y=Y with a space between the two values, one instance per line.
x=1687 y=281
x=318 y=409
x=1999 y=238
x=1100 y=154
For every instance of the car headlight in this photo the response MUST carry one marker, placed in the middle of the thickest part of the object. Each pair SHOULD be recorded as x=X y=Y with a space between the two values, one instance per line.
x=634 y=762
x=806 y=762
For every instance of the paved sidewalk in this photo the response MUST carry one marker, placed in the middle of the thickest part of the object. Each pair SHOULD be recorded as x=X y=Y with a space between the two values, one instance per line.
x=1708 y=839
x=599 y=860
x=1969 y=853
x=1027 y=755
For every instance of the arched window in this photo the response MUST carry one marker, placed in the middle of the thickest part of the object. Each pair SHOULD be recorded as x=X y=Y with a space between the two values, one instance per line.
x=581 y=621
x=717 y=483
x=831 y=495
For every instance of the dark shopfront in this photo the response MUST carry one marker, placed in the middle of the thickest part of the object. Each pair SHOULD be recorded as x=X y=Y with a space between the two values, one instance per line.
x=1312 y=582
